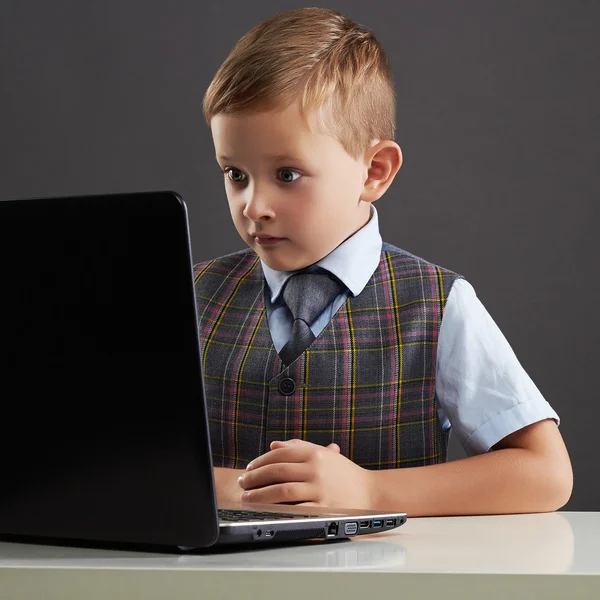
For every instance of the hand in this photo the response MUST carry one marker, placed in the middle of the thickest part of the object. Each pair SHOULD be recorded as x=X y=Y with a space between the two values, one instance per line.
x=299 y=472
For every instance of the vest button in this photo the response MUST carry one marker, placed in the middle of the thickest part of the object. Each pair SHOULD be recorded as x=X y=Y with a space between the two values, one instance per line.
x=287 y=386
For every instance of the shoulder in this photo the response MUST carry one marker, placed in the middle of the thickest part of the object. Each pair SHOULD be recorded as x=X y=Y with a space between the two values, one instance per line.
x=234 y=264
x=400 y=258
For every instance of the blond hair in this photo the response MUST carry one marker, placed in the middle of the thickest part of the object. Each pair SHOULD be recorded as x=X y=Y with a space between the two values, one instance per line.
x=334 y=67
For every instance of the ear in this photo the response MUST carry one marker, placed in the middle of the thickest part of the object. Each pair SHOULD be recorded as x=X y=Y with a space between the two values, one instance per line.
x=383 y=161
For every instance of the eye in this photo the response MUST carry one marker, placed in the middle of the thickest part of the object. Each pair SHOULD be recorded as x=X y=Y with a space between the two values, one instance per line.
x=287 y=175
x=234 y=175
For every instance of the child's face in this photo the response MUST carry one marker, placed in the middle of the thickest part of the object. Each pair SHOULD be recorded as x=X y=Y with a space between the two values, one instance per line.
x=282 y=180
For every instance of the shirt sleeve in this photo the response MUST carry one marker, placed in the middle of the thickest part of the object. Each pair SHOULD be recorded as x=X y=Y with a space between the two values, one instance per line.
x=483 y=392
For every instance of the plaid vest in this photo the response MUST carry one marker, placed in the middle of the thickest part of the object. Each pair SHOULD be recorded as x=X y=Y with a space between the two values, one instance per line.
x=367 y=382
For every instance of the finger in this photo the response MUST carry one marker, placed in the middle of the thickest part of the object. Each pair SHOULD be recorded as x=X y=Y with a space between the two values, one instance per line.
x=284 y=443
x=281 y=493
x=274 y=474
x=288 y=453
x=335 y=448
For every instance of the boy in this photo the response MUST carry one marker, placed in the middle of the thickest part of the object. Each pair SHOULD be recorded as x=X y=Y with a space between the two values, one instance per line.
x=350 y=406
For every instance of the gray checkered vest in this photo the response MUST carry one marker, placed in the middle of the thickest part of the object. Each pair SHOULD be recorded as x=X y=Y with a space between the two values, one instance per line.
x=367 y=382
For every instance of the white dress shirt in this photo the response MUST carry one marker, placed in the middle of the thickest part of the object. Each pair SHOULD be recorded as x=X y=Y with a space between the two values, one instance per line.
x=482 y=391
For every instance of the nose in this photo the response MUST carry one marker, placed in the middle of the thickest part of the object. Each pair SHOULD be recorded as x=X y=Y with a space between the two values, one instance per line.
x=259 y=206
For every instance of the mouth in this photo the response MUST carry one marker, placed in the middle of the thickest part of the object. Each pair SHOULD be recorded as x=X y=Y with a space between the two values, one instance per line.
x=266 y=240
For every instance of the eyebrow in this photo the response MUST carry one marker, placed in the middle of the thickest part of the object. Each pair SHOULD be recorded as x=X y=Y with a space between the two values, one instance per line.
x=272 y=157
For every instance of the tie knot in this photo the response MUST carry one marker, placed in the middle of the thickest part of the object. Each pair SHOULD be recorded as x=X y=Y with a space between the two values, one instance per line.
x=308 y=294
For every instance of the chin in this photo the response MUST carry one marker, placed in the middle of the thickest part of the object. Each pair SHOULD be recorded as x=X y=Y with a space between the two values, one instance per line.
x=282 y=264
x=283 y=259
x=278 y=265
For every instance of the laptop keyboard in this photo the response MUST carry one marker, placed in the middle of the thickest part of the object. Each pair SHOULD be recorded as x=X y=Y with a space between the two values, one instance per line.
x=230 y=515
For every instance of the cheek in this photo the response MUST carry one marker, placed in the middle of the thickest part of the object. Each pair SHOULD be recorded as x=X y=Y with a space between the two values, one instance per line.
x=235 y=207
x=236 y=211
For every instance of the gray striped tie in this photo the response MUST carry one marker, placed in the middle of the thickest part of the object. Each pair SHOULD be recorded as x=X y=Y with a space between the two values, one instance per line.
x=306 y=295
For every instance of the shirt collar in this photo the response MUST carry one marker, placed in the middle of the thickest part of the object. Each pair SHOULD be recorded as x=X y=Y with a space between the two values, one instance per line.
x=353 y=262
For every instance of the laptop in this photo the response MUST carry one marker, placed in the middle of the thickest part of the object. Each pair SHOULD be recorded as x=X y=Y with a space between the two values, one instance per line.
x=105 y=436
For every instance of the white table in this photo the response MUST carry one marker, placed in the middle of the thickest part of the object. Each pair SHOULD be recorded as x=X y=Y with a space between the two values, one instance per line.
x=555 y=555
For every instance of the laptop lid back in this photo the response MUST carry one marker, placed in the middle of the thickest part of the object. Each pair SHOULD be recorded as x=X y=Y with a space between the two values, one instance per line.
x=104 y=430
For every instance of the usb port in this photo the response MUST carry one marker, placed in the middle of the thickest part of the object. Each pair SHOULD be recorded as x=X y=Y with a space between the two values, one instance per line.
x=376 y=522
x=350 y=528
x=389 y=522
x=364 y=524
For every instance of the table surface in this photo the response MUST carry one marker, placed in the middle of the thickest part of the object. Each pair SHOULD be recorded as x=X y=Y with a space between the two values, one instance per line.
x=516 y=554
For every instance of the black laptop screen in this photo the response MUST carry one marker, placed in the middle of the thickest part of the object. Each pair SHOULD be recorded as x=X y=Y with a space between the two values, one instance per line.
x=99 y=364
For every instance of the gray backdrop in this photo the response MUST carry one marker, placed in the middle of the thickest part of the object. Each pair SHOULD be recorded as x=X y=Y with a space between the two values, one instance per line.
x=498 y=118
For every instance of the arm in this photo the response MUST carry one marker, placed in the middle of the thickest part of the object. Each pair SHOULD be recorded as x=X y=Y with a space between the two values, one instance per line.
x=226 y=483
x=527 y=471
